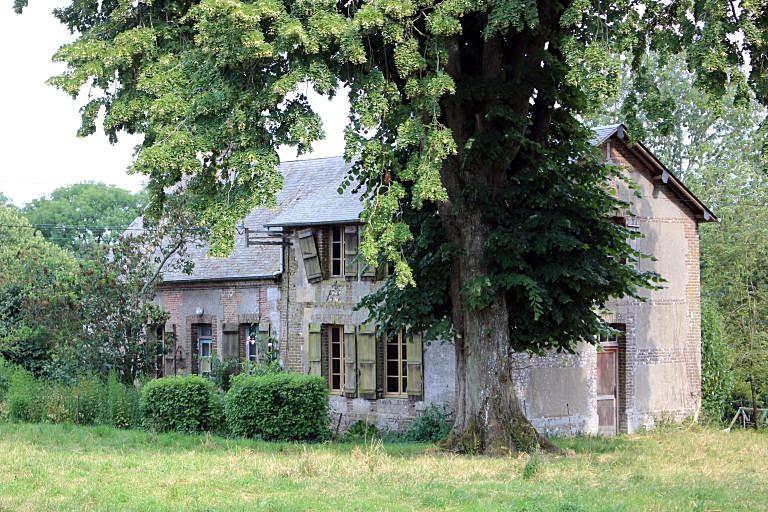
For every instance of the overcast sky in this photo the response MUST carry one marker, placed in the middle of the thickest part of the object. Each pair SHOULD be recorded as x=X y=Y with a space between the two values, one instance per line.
x=40 y=150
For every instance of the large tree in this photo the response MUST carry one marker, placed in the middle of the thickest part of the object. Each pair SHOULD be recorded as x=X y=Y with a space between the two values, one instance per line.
x=463 y=128
x=76 y=216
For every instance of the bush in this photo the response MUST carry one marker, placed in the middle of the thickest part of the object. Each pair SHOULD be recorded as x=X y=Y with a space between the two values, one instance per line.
x=282 y=406
x=433 y=425
x=6 y=371
x=361 y=429
x=122 y=407
x=183 y=404
x=25 y=400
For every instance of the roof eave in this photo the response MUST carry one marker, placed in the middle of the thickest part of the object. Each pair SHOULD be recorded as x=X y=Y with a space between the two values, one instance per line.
x=704 y=213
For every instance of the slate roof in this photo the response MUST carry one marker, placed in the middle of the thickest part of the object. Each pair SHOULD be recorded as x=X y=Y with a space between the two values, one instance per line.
x=310 y=197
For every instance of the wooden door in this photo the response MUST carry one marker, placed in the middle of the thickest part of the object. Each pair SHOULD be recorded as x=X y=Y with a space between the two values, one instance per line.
x=607 y=391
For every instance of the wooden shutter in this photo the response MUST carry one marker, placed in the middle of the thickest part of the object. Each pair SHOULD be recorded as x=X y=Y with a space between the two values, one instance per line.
x=229 y=349
x=194 y=351
x=366 y=361
x=415 y=366
x=350 y=361
x=310 y=256
x=350 y=251
x=315 y=350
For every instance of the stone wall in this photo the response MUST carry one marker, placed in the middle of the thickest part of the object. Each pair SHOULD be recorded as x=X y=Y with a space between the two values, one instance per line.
x=660 y=355
x=333 y=301
x=218 y=302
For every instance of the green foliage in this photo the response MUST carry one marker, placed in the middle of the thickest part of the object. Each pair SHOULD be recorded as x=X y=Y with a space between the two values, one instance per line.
x=716 y=361
x=35 y=280
x=284 y=406
x=433 y=425
x=26 y=402
x=75 y=216
x=462 y=109
x=534 y=464
x=182 y=404
x=87 y=401
x=361 y=430
x=223 y=371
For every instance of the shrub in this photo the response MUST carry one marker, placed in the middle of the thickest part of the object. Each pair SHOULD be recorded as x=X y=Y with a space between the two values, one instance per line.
x=182 y=404
x=25 y=400
x=223 y=371
x=433 y=425
x=282 y=406
x=6 y=371
x=361 y=429
x=122 y=407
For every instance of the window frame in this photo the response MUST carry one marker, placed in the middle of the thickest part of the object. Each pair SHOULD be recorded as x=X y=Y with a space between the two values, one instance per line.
x=336 y=244
x=331 y=328
x=202 y=340
x=251 y=340
x=401 y=359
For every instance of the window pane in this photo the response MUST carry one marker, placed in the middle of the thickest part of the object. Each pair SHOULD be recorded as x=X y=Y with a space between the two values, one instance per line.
x=405 y=384
x=335 y=366
x=405 y=349
x=205 y=348
x=392 y=368
x=335 y=335
x=336 y=267
x=204 y=330
x=391 y=351
x=404 y=368
x=336 y=382
x=392 y=385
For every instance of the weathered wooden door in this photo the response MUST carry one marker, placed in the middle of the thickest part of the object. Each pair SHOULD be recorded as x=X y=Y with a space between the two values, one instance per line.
x=607 y=391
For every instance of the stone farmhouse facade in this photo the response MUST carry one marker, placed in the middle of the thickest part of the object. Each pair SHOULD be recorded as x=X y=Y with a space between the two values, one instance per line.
x=289 y=288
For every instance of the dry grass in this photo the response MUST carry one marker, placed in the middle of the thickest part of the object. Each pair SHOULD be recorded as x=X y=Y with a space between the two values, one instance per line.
x=55 y=467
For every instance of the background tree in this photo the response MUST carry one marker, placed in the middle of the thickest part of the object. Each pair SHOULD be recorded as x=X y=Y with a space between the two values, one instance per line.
x=5 y=201
x=75 y=216
x=35 y=276
x=464 y=109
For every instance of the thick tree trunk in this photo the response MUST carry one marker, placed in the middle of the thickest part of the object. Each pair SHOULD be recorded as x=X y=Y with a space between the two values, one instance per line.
x=489 y=418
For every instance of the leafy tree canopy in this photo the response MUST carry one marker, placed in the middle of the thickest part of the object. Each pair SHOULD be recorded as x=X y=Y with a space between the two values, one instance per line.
x=462 y=111
x=33 y=275
x=74 y=216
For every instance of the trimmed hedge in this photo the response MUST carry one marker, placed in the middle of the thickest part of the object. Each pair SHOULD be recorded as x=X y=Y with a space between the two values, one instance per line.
x=283 y=406
x=182 y=404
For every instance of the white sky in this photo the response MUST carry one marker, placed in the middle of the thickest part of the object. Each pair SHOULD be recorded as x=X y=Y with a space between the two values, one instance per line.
x=38 y=142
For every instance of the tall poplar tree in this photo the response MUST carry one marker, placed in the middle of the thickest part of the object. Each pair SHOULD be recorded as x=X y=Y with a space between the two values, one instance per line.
x=482 y=188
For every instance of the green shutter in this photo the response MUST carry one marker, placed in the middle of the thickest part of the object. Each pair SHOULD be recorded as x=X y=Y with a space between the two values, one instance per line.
x=350 y=251
x=350 y=361
x=309 y=255
x=415 y=366
x=366 y=360
x=315 y=350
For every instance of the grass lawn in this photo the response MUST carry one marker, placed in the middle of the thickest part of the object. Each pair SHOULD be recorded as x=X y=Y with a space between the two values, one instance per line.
x=62 y=467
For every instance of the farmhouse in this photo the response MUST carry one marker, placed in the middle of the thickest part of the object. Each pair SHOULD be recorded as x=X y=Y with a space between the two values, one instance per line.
x=289 y=288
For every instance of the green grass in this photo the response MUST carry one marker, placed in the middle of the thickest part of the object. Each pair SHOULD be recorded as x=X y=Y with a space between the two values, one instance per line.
x=61 y=467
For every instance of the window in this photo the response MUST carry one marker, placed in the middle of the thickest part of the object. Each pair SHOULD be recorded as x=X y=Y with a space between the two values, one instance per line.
x=337 y=251
x=205 y=342
x=336 y=358
x=611 y=339
x=252 y=343
x=397 y=365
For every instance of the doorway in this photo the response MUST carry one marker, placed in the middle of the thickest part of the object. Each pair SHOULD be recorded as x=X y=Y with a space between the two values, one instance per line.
x=608 y=391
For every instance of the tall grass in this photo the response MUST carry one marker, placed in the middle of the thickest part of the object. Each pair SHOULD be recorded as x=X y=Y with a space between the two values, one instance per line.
x=66 y=467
